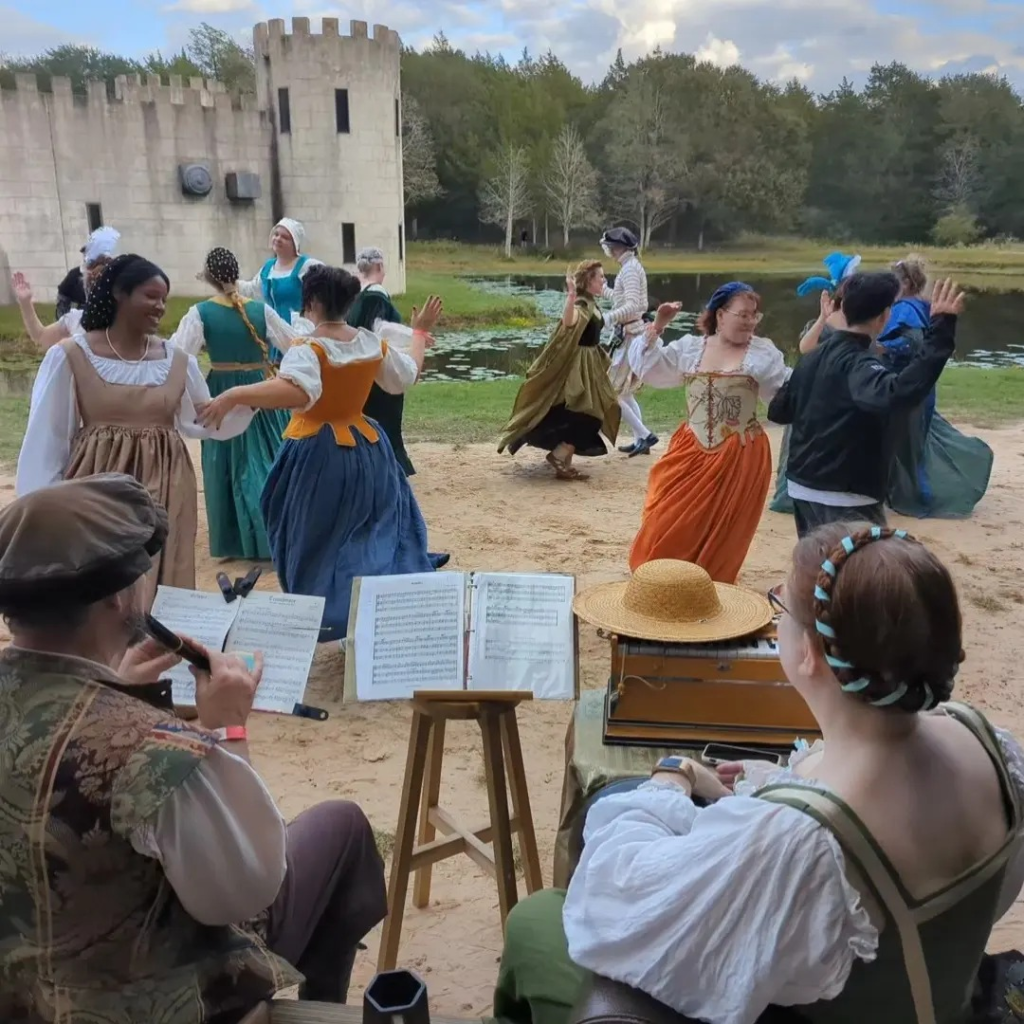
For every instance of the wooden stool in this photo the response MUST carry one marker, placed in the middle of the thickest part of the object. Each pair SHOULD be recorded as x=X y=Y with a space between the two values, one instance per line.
x=496 y=713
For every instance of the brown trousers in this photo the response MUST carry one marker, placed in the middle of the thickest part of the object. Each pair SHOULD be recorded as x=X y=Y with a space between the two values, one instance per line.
x=333 y=894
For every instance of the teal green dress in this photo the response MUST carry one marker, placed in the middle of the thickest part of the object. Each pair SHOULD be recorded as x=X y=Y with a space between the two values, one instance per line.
x=235 y=471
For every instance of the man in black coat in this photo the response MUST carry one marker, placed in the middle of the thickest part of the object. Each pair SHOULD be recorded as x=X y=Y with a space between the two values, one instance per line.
x=844 y=405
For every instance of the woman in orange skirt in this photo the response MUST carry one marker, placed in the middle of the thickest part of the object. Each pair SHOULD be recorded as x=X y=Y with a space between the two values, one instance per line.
x=706 y=494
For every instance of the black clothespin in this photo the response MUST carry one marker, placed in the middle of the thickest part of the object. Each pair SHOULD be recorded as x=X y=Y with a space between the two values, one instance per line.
x=244 y=584
x=226 y=587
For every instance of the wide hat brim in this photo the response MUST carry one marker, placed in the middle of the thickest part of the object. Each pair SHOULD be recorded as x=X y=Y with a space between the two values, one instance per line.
x=741 y=614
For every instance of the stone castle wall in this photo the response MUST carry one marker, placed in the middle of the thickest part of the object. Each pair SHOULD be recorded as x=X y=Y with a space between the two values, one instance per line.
x=120 y=149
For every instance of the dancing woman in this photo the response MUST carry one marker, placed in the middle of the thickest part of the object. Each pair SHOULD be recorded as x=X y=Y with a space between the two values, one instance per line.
x=116 y=398
x=237 y=334
x=937 y=471
x=705 y=496
x=629 y=306
x=279 y=282
x=567 y=400
x=336 y=504
x=97 y=253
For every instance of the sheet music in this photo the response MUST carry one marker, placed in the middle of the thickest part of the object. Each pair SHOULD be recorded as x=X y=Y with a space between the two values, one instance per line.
x=522 y=634
x=203 y=617
x=410 y=634
x=285 y=627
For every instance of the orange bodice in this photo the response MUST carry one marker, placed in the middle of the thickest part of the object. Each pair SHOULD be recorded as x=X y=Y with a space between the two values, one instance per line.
x=345 y=390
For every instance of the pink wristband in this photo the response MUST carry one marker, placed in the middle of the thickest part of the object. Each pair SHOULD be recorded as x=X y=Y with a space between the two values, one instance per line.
x=231 y=733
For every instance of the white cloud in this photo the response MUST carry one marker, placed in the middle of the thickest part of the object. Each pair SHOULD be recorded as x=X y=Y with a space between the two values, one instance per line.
x=723 y=53
x=24 y=36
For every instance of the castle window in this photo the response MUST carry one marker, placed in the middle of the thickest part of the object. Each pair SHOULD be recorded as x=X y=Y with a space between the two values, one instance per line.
x=398 y=119
x=341 y=111
x=401 y=243
x=94 y=214
x=284 y=112
x=348 y=243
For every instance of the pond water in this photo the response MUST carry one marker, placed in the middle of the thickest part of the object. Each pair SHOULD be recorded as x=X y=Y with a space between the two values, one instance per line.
x=991 y=332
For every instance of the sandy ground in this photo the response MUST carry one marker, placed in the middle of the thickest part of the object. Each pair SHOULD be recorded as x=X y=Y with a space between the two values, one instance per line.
x=500 y=513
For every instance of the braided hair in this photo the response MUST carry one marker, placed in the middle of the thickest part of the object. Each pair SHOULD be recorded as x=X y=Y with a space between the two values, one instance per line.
x=335 y=289
x=124 y=274
x=221 y=268
x=886 y=613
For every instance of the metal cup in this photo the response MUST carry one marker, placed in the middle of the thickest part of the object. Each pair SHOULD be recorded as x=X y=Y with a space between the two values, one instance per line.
x=396 y=997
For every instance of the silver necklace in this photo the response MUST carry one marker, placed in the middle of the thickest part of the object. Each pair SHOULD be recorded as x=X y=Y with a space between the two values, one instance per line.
x=131 y=362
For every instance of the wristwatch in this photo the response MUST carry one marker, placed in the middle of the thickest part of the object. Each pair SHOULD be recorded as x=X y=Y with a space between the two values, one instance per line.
x=680 y=765
x=231 y=733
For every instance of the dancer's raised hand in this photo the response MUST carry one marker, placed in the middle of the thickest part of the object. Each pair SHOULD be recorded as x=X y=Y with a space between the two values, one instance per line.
x=947 y=298
x=827 y=305
x=425 y=318
x=570 y=285
x=667 y=312
x=22 y=289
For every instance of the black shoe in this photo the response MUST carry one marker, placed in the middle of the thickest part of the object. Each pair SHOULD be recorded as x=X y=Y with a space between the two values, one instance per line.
x=439 y=560
x=644 y=447
x=628 y=449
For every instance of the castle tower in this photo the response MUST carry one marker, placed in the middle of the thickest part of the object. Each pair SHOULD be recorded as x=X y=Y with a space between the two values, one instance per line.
x=336 y=149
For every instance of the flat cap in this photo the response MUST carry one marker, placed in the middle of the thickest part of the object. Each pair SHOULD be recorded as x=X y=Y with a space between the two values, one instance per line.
x=620 y=236
x=77 y=542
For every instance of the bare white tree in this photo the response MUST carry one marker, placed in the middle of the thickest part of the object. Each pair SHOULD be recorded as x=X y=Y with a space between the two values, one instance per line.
x=571 y=184
x=419 y=165
x=959 y=181
x=505 y=197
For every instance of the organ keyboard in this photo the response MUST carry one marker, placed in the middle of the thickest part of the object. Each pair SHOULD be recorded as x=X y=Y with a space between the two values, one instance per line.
x=734 y=692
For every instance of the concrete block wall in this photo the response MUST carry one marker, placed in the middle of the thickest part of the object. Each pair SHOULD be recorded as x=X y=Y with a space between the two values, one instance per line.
x=328 y=179
x=121 y=149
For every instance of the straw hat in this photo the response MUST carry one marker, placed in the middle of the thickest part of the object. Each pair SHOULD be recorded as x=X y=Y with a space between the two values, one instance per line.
x=670 y=600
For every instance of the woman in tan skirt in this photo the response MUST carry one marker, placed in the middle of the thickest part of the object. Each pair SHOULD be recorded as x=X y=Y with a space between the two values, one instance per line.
x=116 y=398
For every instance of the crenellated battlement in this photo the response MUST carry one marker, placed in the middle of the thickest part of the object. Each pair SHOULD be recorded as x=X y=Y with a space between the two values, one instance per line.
x=271 y=35
x=177 y=91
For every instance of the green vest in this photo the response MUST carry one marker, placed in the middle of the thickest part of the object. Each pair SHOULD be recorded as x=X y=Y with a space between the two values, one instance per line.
x=929 y=950
x=228 y=340
x=91 y=932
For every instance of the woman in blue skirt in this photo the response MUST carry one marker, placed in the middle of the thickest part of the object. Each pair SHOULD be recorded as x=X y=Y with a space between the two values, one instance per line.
x=337 y=504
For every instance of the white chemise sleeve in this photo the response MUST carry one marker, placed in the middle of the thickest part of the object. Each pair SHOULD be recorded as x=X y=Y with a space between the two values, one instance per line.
x=221 y=841
x=664 y=366
x=398 y=371
x=301 y=367
x=197 y=393
x=767 y=366
x=189 y=336
x=252 y=289
x=52 y=422
x=717 y=912
x=279 y=333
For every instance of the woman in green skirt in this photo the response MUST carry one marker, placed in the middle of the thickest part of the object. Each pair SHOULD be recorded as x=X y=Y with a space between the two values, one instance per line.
x=237 y=334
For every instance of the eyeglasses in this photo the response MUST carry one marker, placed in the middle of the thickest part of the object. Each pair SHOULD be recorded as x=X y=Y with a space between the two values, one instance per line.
x=776 y=602
x=747 y=318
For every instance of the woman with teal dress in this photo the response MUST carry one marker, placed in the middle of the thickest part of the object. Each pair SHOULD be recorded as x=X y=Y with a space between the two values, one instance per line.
x=279 y=282
x=238 y=335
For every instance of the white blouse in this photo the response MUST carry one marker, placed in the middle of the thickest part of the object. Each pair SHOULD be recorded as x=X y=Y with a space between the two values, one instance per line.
x=668 y=366
x=721 y=911
x=300 y=365
x=53 y=417
x=191 y=338
x=254 y=289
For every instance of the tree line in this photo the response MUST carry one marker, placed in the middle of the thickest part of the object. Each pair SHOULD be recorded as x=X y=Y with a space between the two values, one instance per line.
x=680 y=150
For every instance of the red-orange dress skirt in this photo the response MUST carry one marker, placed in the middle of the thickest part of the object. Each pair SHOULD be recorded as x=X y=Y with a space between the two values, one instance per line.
x=703 y=504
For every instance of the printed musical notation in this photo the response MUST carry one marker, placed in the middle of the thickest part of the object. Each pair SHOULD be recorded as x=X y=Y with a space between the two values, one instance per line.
x=522 y=634
x=409 y=635
x=284 y=627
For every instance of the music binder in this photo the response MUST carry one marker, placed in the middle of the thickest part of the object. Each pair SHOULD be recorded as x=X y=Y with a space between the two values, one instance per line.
x=462 y=631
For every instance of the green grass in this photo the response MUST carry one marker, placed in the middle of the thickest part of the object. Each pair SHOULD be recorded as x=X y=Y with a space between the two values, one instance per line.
x=475 y=412
x=995 y=267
